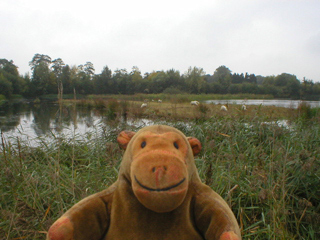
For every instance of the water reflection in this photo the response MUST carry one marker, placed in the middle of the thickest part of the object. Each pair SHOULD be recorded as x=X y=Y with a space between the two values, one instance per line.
x=31 y=121
x=34 y=123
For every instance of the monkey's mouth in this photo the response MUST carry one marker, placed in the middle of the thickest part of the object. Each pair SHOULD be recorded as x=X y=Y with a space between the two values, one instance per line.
x=159 y=189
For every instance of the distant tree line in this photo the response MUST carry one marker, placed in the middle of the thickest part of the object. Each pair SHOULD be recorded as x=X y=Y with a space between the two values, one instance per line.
x=55 y=77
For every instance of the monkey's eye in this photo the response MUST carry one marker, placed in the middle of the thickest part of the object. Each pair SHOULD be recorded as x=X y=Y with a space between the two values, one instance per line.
x=175 y=144
x=143 y=144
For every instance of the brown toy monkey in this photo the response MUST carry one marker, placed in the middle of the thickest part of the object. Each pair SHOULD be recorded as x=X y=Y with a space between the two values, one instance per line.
x=158 y=195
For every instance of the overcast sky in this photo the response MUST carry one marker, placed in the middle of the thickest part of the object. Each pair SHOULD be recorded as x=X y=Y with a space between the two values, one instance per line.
x=263 y=37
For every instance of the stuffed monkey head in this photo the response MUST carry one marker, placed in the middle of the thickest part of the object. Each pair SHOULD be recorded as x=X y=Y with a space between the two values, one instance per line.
x=159 y=164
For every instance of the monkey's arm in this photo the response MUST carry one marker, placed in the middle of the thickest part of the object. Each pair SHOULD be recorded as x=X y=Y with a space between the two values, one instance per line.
x=88 y=219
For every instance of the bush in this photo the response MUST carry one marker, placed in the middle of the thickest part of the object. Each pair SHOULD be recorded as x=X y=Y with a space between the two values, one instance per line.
x=172 y=90
x=2 y=97
x=113 y=107
x=306 y=112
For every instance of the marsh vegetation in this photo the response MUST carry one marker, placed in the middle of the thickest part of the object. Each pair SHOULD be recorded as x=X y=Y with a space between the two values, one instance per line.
x=268 y=173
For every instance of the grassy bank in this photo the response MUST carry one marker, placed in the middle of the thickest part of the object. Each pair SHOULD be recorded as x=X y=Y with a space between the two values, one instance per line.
x=177 y=107
x=183 y=111
x=180 y=98
x=269 y=174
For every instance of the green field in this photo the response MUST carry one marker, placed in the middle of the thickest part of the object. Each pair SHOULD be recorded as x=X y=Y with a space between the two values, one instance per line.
x=267 y=172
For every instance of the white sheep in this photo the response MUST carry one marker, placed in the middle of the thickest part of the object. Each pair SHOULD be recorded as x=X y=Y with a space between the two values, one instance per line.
x=196 y=103
x=159 y=101
x=144 y=105
x=224 y=108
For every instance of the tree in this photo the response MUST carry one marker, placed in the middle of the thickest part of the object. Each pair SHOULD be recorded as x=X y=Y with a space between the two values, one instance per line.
x=175 y=79
x=195 y=80
x=89 y=69
x=250 y=78
x=283 y=79
x=216 y=87
x=289 y=84
x=8 y=67
x=74 y=72
x=41 y=79
x=271 y=89
x=235 y=88
x=83 y=83
x=19 y=84
x=293 y=88
x=27 y=81
x=249 y=88
x=222 y=75
x=124 y=83
x=260 y=79
x=307 y=87
x=65 y=78
x=82 y=80
x=57 y=66
x=57 y=70
x=140 y=84
x=159 y=81
x=136 y=74
x=316 y=91
x=268 y=81
x=103 y=83
x=39 y=58
x=11 y=74
x=237 y=78
x=5 y=86
x=43 y=82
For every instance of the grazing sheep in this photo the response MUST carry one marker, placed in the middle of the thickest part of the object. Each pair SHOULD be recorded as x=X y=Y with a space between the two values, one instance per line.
x=143 y=105
x=244 y=107
x=224 y=108
x=196 y=103
x=159 y=101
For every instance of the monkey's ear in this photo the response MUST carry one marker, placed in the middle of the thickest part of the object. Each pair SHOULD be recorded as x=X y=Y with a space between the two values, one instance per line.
x=124 y=138
x=195 y=145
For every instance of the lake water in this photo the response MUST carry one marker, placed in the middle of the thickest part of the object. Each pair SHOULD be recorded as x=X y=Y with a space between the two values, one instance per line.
x=38 y=122
x=272 y=102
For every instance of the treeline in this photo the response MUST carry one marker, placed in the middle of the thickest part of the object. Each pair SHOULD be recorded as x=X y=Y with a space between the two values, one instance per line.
x=54 y=76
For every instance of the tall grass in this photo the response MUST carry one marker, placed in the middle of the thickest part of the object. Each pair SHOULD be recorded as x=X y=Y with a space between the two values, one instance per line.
x=268 y=174
x=39 y=183
x=307 y=113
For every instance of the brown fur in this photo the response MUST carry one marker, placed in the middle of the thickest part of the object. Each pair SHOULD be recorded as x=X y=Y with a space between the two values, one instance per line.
x=158 y=195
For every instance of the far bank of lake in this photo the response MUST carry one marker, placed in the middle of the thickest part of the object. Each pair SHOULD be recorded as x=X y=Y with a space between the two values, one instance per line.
x=267 y=102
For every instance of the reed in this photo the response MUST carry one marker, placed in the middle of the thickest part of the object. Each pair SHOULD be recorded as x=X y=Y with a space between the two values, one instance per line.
x=269 y=174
